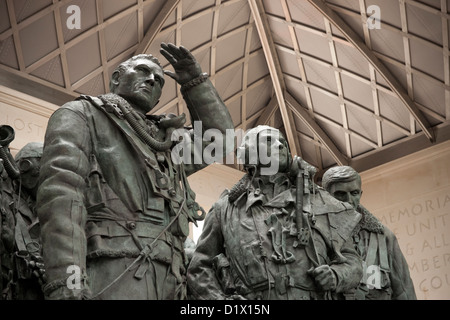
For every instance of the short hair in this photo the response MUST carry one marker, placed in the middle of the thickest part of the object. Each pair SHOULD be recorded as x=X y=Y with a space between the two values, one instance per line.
x=339 y=174
x=122 y=67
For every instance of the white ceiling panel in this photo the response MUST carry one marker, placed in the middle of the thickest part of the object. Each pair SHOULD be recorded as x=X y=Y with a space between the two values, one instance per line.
x=344 y=92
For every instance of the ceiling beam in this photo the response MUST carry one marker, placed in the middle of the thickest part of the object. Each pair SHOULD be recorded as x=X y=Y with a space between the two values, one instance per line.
x=359 y=44
x=156 y=26
x=16 y=34
x=345 y=42
x=239 y=94
x=445 y=42
x=340 y=88
x=302 y=113
x=400 y=148
x=245 y=75
x=373 y=77
x=363 y=109
x=389 y=27
x=33 y=18
x=60 y=37
x=140 y=18
x=102 y=45
x=346 y=131
x=214 y=36
x=35 y=86
x=101 y=69
x=300 y=64
x=197 y=15
x=265 y=36
x=80 y=38
x=408 y=62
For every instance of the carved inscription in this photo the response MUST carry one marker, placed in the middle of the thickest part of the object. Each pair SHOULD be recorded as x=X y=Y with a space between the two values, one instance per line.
x=27 y=126
x=422 y=227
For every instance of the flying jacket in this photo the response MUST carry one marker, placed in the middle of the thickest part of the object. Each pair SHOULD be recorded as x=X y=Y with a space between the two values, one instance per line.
x=378 y=246
x=247 y=242
x=98 y=190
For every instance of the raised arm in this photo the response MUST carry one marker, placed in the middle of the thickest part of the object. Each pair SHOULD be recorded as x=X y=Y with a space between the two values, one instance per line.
x=202 y=99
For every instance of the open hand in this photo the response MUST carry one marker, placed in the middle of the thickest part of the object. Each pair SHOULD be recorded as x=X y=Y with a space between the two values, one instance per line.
x=185 y=65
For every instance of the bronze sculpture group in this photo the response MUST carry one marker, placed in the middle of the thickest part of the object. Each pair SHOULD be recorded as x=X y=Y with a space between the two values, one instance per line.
x=111 y=210
x=22 y=271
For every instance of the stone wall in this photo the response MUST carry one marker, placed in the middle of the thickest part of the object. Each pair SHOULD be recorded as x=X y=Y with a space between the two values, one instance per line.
x=28 y=116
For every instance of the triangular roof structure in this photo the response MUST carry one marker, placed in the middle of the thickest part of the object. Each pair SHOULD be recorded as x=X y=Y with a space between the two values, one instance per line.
x=356 y=82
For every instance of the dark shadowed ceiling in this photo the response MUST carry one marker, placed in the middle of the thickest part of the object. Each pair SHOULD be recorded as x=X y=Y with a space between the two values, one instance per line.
x=345 y=87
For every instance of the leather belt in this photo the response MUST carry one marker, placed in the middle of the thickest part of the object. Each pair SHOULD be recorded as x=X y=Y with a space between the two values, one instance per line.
x=112 y=229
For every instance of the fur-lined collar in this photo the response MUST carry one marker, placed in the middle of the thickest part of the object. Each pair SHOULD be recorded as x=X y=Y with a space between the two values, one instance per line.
x=239 y=188
x=368 y=222
x=112 y=98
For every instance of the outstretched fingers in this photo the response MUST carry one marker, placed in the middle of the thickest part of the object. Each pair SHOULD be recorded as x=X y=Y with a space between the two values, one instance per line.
x=183 y=62
x=168 y=55
x=174 y=51
x=186 y=53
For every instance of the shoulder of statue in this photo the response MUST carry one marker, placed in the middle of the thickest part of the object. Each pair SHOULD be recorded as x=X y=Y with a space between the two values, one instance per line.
x=92 y=99
x=107 y=103
x=222 y=201
x=85 y=104
x=77 y=106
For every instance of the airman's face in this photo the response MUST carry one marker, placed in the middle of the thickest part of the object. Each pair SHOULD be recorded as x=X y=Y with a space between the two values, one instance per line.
x=271 y=144
x=29 y=172
x=347 y=192
x=141 y=84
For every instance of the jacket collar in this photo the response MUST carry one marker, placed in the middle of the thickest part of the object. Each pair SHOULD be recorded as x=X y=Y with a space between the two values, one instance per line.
x=252 y=190
x=369 y=222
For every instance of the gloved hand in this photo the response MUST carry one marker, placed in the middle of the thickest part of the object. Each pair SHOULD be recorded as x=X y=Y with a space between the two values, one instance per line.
x=324 y=277
x=38 y=269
